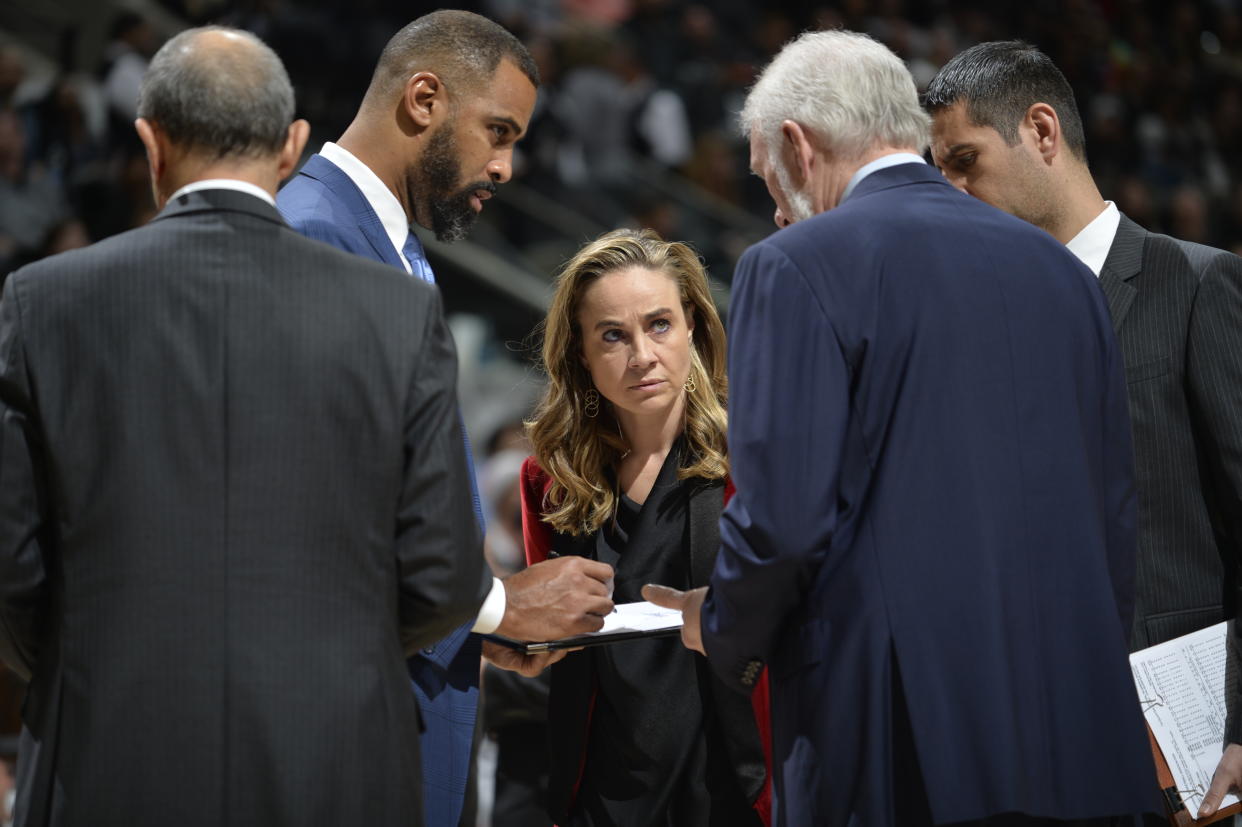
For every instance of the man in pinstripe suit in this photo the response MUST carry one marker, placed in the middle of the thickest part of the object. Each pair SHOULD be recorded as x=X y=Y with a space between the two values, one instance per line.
x=232 y=491
x=1007 y=130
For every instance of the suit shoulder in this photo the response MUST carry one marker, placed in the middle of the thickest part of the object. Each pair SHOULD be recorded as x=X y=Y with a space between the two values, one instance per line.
x=1200 y=257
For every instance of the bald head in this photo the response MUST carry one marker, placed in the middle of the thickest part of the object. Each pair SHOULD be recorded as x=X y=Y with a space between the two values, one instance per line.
x=218 y=92
x=461 y=48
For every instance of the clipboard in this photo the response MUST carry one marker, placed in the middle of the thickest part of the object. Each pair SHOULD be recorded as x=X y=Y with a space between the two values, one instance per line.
x=581 y=641
x=1174 y=807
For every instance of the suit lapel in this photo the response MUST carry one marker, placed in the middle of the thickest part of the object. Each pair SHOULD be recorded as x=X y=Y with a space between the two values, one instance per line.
x=343 y=187
x=1125 y=260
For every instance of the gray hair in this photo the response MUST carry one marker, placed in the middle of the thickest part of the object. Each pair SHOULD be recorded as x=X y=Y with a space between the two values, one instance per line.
x=848 y=90
x=220 y=91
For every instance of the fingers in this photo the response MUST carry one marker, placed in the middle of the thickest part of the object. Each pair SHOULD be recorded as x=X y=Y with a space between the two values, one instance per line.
x=1228 y=776
x=1216 y=791
x=664 y=596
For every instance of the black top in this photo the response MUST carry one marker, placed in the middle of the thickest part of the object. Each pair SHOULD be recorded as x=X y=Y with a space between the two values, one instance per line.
x=650 y=756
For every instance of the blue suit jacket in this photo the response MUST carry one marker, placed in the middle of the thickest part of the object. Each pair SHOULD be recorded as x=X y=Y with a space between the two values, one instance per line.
x=323 y=203
x=934 y=529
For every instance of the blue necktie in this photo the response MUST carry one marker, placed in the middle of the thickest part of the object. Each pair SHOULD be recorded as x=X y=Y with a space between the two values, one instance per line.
x=413 y=252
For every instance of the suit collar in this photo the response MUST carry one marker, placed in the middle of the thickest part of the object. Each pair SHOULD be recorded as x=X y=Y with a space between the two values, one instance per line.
x=896 y=176
x=1124 y=262
x=319 y=168
x=216 y=200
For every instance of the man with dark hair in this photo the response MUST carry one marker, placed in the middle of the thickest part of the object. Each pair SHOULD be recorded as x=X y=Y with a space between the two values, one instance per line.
x=1007 y=130
x=231 y=493
x=434 y=137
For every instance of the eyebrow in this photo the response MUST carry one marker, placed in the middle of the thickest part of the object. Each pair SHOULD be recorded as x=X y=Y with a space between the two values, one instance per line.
x=663 y=311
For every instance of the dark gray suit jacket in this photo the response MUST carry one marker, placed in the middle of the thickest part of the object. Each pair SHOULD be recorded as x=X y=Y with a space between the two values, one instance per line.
x=232 y=497
x=1177 y=311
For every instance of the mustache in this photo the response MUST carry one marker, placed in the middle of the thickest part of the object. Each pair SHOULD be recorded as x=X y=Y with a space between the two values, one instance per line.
x=470 y=189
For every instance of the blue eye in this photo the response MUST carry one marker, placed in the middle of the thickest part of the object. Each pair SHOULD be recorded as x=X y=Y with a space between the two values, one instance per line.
x=661 y=325
x=613 y=335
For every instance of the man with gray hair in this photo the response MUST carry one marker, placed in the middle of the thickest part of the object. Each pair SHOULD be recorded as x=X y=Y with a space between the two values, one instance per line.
x=931 y=547
x=232 y=495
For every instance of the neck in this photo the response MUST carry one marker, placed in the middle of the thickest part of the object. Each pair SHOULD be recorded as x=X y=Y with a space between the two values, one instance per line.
x=652 y=436
x=263 y=173
x=838 y=175
x=1079 y=203
x=364 y=142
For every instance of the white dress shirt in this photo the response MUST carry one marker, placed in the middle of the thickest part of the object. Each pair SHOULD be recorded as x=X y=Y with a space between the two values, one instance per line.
x=225 y=184
x=389 y=210
x=1093 y=241
x=397 y=228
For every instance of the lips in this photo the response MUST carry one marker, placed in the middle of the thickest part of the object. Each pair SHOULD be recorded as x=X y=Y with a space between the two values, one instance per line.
x=647 y=384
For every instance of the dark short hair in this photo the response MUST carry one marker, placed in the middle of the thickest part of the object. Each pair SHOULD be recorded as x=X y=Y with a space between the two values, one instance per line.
x=998 y=82
x=230 y=99
x=461 y=47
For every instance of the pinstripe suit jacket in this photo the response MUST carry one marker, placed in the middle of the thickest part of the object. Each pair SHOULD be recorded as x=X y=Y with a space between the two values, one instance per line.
x=232 y=497
x=1177 y=311
x=323 y=203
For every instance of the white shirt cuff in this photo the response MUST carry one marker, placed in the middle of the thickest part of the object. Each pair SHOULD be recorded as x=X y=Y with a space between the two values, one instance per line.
x=492 y=611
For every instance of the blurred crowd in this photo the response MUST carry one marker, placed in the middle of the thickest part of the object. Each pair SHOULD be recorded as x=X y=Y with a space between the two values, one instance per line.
x=639 y=96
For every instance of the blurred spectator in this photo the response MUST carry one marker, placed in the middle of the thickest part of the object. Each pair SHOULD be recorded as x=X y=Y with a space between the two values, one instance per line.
x=125 y=62
x=32 y=202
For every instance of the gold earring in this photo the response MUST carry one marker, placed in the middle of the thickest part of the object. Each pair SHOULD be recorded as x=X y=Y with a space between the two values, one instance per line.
x=689 y=385
x=590 y=403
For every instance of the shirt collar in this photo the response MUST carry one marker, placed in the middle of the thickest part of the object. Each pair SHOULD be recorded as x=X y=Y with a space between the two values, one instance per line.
x=225 y=184
x=1093 y=241
x=387 y=208
x=883 y=162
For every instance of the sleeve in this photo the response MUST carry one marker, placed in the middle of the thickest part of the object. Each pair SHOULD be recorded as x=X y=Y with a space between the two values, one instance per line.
x=439 y=545
x=1214 y=389
x=536 y=534
x=24 y=592
x=1121 y=505
x=788 y=415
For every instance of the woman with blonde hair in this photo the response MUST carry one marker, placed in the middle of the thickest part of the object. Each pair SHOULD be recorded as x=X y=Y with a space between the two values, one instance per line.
x=630 y=468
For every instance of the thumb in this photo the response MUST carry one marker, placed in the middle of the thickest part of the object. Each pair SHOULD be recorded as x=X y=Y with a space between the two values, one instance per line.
x=1216 y=791
x=664 y=596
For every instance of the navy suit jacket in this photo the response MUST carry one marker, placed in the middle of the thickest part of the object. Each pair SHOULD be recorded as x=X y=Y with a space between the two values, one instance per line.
x=934 y=531
x=322 y=202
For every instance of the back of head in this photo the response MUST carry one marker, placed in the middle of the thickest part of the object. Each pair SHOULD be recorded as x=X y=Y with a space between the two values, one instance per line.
x=220 y=92
x=463 y=49
x=998 y=82
x=850 y=91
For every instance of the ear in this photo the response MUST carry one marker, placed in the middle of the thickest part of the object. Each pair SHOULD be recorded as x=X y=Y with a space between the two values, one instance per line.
x=799 y=153
x=153 y=140
x=1044 y=125
x=689 y=311
x=295 y=142
x=424 y=98
x=156 y=144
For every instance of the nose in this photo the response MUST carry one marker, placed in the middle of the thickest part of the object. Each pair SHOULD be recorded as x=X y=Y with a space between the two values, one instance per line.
x=641 y=354
x=500 y=168
x=958 y=181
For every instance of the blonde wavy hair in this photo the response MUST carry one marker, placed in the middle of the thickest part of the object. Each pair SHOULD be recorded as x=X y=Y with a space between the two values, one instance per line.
x=575 y=450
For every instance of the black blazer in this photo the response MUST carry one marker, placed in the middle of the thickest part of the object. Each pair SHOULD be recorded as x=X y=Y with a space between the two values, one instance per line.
x=1177 y=311
x=232 y=497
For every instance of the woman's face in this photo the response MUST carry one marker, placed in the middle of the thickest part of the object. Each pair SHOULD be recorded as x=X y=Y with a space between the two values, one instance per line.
x=636 y=342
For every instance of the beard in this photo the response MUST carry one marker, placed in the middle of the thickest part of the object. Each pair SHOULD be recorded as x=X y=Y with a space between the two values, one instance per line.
x=433 y=181
x=800 y=207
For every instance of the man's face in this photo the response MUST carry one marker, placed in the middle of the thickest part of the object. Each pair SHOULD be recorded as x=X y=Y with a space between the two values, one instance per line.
x=977 y=161
x=470 y=153
x=791 y=204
